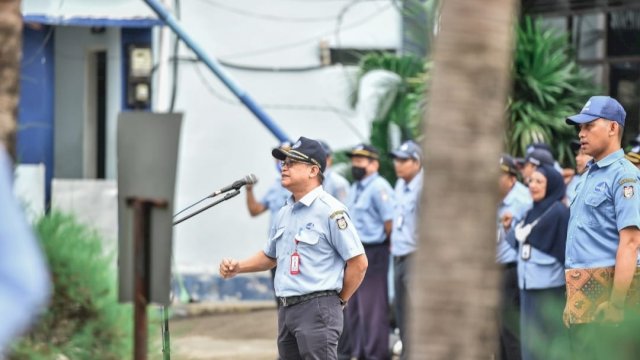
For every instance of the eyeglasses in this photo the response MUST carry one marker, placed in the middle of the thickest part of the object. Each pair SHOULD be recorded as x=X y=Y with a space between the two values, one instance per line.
x=290 y=162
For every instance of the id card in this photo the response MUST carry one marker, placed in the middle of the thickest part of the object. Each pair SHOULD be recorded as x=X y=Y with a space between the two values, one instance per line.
x=526 y=251
x=295 y=264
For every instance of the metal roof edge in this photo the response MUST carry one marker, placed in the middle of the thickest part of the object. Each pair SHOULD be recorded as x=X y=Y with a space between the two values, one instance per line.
x=141 y=22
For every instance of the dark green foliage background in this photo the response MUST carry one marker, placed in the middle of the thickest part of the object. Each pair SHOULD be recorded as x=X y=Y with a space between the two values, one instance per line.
x=84 y=319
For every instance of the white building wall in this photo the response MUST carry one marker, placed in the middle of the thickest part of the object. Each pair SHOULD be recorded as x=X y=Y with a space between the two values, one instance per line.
x=223 y=141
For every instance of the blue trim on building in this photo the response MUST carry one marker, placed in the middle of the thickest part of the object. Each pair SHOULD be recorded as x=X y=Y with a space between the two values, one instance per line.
x=90 y=22
x=131 y=36
x=36 y=107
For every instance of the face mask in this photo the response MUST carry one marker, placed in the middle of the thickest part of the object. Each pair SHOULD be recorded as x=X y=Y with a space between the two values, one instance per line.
x=358 y=172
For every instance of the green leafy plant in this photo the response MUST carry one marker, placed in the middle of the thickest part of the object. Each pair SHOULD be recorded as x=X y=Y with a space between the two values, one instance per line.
x=84 y=319
x=548 y=86
x=405 y=113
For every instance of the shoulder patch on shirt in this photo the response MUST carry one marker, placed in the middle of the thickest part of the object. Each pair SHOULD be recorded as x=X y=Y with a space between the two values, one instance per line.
x=628 y=192
x=627 y=180
x=341 y=222
x=336 y=213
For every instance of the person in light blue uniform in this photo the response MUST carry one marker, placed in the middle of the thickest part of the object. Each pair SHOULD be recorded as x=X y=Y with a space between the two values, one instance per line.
x=320 y=259
x=540 y=238
x=371 y=204
x=24 y=278
x=633 y=155
x=581 y=167
x=273 y=200
x=407 y=162
x=516 y=201
x=604 y=231
x=334 y=183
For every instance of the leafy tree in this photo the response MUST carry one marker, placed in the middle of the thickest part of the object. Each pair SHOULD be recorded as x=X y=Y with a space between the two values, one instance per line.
x=548 y=86
x=405 y=113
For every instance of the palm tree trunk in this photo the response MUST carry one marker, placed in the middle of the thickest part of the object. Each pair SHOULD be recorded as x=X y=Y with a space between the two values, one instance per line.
x=456 y=278
x=10 y=53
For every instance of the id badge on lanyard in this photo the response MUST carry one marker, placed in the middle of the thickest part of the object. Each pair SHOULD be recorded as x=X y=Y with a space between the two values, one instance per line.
x=294 y=268
x=526 y=251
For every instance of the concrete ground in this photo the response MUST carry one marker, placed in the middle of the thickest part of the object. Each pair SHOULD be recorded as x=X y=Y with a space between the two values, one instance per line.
x=238 y=331
x=227 y=330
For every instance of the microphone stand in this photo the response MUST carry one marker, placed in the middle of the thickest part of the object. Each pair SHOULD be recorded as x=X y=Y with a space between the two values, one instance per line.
x=226 y=197
x=166 y=345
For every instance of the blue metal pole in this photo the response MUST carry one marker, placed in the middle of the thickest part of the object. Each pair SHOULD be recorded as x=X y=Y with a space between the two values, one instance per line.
x=216 y=68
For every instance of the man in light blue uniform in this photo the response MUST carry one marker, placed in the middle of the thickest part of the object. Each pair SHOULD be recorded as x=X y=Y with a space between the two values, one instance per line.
x=320 y=259
x=516 y=201
x=371 y=204
x=633 y=155
x=407 y=162
x=604 y=230
x=24 y=278
x=581 y=167
x=334 y=183
x=273 y=200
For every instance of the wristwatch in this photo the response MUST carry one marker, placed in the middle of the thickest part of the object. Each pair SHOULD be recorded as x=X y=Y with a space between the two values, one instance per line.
x=342 y=302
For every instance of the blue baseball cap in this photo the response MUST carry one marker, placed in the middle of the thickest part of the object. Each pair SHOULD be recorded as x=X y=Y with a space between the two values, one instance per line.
x=408 y=150
x=597 y=107
x=539 y=157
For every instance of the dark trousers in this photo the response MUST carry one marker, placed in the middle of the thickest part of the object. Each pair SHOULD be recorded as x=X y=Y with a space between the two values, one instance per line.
x=344 y=344
x=509 y=322
x=368 y=309
x=310 y=330
x=597 y=341
x=543 y=334
x=401 y=273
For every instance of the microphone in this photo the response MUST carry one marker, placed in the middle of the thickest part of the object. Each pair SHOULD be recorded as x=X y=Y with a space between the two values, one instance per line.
x=247 y=180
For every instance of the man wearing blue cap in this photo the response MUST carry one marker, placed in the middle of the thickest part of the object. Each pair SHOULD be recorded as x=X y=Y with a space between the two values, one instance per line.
x=320 y=258
x=516 y=201
x=603 y=239
x=371 y=202
x=407 y=162
x=535 y=158
x=274 y=199
x=334 y=183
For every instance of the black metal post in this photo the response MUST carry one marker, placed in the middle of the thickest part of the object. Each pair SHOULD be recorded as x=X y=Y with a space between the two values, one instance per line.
x=141 y=240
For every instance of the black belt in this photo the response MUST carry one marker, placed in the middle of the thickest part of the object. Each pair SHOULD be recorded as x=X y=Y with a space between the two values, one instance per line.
x=510 y=265
x=292 y=300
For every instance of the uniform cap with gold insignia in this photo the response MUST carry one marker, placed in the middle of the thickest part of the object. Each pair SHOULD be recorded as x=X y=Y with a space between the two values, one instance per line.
x=508 y=165
x=364 y=150
x=304 y=150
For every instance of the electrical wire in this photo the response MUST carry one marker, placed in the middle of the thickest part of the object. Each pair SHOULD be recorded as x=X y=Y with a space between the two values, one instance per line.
x=266 y=16
x=344 y=116
x=305 y=41
x=292 y=107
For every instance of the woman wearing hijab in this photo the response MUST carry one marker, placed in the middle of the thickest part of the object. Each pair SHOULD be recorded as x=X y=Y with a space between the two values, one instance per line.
x=541 y=239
